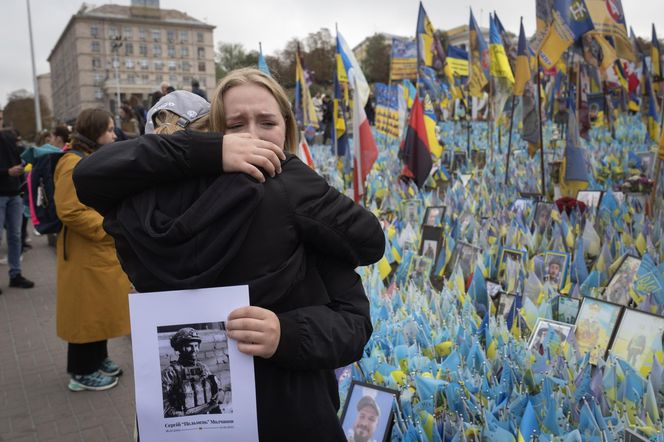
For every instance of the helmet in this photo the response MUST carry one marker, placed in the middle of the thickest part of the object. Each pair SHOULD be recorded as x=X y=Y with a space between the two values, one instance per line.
x=183 y=336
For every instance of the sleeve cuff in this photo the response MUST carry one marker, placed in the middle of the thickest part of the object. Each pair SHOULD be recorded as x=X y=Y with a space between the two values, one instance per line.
x=205 y=154
x=288 y=340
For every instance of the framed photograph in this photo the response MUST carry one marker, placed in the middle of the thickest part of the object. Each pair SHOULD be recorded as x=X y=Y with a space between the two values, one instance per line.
x=565 y=309
x=506 y=303
x=542 y=218
x=617 y=290
x=420 y=269
x=434 y=215
x=632 y=436
x=478 y=158
x=367 y=414
x=493 y=289
x=458 y=160
x=465 y=255
x=555 y=268
x=542 y=327
x=638 y=339
x=647 y=162
x=523 y=205
x=431 y=242
x=410 y=211
x=590 y=198
x=511 y=262
x=595 y=324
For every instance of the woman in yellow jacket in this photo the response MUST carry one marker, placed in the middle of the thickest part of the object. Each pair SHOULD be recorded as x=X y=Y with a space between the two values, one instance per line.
x=92 y=289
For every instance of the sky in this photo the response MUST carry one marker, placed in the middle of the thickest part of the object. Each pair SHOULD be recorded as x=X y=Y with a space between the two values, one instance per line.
x=274 y=23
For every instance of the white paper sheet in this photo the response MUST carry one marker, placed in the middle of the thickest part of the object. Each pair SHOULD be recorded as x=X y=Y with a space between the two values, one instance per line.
x=155 y=317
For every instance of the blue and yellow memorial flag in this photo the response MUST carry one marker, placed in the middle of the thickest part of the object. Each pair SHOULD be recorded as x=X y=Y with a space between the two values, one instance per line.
x=339 y=105
x=529 y=426
x=403 y=62
x=500 y=65
x=305 y=112
x=571 y=20
x=457 y=58
x=479 y=59
x=655 y=60
x=430 y=52
x=522 y=72
x=262 y=65
x=652 y=116
x=544 y=17
x=609 y=21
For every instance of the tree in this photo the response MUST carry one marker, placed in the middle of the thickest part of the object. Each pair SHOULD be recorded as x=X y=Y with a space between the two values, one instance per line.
x=376 y=62
x=20 y=114
x=231 y=56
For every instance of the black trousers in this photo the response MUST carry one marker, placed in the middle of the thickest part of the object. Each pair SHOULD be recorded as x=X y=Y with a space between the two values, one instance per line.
x=86 y=358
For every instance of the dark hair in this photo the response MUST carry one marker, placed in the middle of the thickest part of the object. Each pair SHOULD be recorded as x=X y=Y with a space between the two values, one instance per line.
x=129 y=113
x=41 y=137
x=170 y=89
x=195 y=83
x=90 y=125
x=62 y=132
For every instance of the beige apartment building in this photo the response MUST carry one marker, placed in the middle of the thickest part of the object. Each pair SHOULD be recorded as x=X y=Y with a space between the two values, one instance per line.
x=147 y=44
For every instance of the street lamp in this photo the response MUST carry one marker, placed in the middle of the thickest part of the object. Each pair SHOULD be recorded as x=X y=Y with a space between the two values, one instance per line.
x=116 y=44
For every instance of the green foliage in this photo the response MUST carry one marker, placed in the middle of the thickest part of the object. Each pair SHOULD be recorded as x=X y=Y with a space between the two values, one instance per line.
x=376 y=61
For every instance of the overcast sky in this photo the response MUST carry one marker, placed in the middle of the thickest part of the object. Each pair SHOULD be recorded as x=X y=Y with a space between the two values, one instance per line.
x=274 y=22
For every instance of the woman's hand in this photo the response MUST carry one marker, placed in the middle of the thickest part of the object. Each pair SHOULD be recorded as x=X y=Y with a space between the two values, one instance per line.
x=256 y=330
x=243 y=153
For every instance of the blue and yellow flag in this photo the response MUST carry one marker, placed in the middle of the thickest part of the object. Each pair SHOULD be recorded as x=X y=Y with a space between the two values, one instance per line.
x=430 y=52
x=305 y=112
x=262 y=65
x=571 y=20
x=652 y=117
x=529 y=426
x=479 y=59
x=522 y=71
x=339 y=103
x=500 y=65
x=457 y=58
x=656 y=60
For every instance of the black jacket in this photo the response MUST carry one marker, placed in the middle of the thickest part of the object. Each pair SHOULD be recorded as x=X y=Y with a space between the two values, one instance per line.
x=294 y=240
x=10 y=155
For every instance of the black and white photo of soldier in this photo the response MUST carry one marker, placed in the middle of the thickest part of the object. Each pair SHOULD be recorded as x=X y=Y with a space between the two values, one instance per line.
x=190 y=385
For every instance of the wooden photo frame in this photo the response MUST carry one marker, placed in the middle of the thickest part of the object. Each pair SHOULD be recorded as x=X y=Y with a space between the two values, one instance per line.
x=617 y=290
x=595 y=326
x=368 y=412
x=638 y=338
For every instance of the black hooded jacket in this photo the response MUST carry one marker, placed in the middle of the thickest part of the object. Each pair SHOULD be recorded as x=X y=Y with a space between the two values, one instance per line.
x=293 y=240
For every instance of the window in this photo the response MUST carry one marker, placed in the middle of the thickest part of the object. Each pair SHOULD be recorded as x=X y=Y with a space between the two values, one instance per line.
x=170 y=36
x=184 y=36
x=143 y=50
x=184 y=52
x=128 y=32
x=156 y=51
x=199 y=37
x=94 y=31
x=142 y=34
x=201 y=66
x=159 y=78
x=129 y=48
x=170 y=49
x=129 y=63
x=131 y=78
x=112 y=32
x=186 y=66
x=186 y=79
x=172 y=78
x=156 y=35
x=145 y=78
x=99 y=95
x=96 y=63
x=144 y=64
x=200 y=52
x=172 y=65
x=96 y=46
x=158 y=65
x=99 y=79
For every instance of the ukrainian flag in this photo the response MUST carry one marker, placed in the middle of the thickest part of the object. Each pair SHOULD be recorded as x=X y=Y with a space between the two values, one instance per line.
x=479 y=59
x=522 y=74
x=305 y=112
x=500 y=65
x=652 y=116
x=457 y=58
x=571 y=19
x=655 y=57
x=529 y=426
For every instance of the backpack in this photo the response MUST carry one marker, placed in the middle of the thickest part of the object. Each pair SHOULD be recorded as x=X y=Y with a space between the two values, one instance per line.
x=41 y=189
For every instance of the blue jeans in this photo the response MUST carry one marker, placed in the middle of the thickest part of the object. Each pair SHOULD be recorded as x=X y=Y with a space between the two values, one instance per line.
x=11 y=212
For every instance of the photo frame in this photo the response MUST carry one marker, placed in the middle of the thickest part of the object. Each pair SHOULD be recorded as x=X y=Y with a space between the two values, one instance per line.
x=493 y=289
x=639 y=338
x=595 y=325
x=478 y=158
x=458 y=160
x=556 y=266
x=431 y=242
x=434 y=216
x=630 y=435
x=506 y=302
x=368 y=412
x=565 y=309
x=542 y=217
x=511 y=261
x=410 y=211
x=591 y=198
x=617 y=290
x=542 y=327
x=465 y=255
x=647 y=162
x=420 y=269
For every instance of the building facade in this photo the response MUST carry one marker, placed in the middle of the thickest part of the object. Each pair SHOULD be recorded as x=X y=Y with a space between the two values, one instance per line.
x=44 y=82
x=144 y=44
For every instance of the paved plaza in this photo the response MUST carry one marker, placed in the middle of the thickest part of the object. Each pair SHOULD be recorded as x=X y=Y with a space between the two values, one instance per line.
x=35 y=404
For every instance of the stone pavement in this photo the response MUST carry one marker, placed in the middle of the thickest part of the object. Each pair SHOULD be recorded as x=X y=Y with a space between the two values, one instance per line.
x=35 y=404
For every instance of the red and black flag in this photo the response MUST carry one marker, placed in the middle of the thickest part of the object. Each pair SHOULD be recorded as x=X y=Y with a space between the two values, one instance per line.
x=415 y=147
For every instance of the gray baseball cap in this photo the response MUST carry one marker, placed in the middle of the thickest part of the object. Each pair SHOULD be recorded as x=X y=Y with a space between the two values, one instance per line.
x=188 y=106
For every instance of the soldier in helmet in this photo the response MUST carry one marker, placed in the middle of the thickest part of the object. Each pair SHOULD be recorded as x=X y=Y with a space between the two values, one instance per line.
x=187 y=385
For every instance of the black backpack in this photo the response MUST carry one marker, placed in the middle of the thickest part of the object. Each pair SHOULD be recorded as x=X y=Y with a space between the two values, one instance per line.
x=41 y=189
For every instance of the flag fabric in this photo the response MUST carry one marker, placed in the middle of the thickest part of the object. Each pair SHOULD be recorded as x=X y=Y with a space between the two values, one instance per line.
x=656 y=60
x=262 y=64
x=304 y=153
x=356 y=79
x=522 y=71
x=305 y=111
x=403 y=61
x=652 y=117
x=414 y=149
x=500 y=69
x=571 y=20
x=529 y=426
x=510 y=49
x=430 y=52
x=458 y=60
x=339 y=103
x=544 y=17
x=573 y=171
x=609 y=21
x=479 y=59
x=365 y=151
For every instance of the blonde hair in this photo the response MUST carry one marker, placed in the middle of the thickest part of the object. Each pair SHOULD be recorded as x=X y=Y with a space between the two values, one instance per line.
x=242 y=76
x=165 y=123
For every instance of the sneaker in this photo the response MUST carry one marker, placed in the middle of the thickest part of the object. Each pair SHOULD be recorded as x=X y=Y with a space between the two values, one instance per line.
x=110 y=368
x=21 y=282
x=93 y=381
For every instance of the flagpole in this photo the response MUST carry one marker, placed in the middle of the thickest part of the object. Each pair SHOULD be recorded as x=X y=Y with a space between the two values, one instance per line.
x=541 y=131
x=509 y=140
